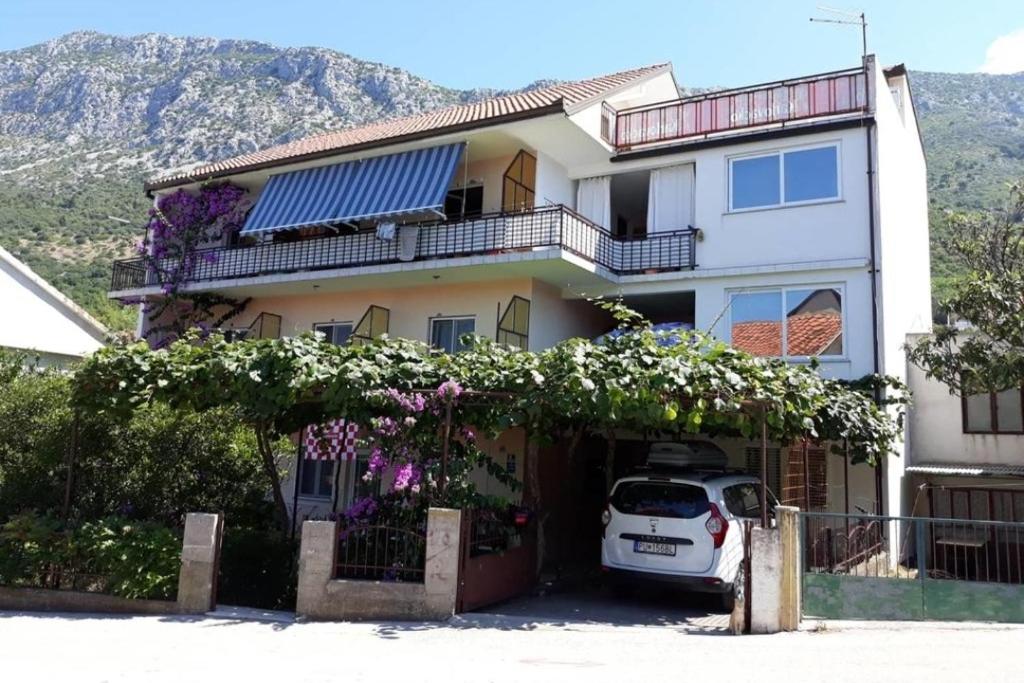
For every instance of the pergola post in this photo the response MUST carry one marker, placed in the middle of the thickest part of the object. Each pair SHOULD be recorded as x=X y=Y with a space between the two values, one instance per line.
x=807 y=477
x=764 y=468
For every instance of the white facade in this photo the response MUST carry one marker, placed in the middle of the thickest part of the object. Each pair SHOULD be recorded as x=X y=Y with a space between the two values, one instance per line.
x=865 y=245
x=40 y=321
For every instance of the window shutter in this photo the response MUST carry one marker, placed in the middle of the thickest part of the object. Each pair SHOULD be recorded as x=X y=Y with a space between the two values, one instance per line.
x=774 y=470
x=792 y=492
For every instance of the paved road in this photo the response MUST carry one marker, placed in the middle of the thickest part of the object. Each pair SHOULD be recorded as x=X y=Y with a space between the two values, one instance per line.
x=87 y=648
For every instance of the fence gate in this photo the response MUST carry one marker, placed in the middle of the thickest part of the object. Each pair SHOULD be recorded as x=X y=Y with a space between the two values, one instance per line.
x=911 y=568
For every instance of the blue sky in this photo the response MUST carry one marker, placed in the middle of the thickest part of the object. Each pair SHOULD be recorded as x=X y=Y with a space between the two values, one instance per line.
x=509 y=44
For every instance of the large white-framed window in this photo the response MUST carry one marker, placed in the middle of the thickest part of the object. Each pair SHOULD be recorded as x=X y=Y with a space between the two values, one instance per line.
x=336 y=333
x=788 y=177
x=792 y=322
x=446 y=332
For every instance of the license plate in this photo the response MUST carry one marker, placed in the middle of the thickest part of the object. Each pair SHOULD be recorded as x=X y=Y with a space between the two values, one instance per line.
x=654 y=548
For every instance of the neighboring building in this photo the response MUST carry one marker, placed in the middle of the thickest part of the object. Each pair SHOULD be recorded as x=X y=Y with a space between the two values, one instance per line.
x=966 y=453
x=788 y=218
x=51 y=329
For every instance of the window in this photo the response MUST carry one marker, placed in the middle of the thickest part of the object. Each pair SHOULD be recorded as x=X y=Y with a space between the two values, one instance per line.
x=774 y=465
x=783 y=178
x=517 y=190
x=660 y=499
x=1000 y=412
x=316 y=478
x=514 y=326
x=743 y=500
x=336 y=333
x=802 y=321
x=360 y=488
x=474 y=202
x=446 y=333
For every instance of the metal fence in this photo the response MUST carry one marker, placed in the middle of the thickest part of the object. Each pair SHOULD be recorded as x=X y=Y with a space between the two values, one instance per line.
x=781 y=102
x=911 y=547
x=491 y=234
x=381 y=553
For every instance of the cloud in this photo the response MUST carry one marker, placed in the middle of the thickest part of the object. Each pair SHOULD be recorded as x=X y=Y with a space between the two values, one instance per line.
x=1005 y=55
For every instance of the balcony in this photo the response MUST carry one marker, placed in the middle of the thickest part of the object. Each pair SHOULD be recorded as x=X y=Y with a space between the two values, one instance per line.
x=776 y=104
x=553 y=227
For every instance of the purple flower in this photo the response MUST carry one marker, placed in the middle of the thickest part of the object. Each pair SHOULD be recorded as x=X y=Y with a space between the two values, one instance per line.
x=450 y=389
x=405 y=476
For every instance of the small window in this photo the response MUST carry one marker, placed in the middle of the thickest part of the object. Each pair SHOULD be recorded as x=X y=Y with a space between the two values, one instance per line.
x=660 y=499
x=994 y=413
x=316 y=478
x=336 y=333
x=446 y=333
x=464 y=203
x=784 y=178
x=789 y=323
x=361 y=488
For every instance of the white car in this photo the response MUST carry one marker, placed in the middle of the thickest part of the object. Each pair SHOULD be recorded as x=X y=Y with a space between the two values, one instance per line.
x=681 y=522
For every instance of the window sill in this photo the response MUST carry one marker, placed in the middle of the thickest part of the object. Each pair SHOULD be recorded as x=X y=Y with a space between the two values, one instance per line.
x=779 y=207
x=310 y=497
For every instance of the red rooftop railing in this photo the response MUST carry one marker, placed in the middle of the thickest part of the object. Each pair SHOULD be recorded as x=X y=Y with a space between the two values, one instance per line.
x=781 y=102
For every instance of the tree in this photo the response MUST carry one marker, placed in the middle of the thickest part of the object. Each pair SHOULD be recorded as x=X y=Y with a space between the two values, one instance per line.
x=986 y=354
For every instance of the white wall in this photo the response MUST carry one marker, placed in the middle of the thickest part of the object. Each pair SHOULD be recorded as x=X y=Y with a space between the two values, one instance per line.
x=553 y=185
x=35 y=320
x=935 y=430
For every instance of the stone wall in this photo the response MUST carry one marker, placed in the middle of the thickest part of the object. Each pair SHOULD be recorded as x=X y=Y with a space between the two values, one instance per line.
x=320 y=596
x=775 y=574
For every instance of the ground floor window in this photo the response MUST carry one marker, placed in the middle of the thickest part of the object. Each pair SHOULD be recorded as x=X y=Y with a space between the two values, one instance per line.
x=316 y=478
x=446 y=333
x=336 y=333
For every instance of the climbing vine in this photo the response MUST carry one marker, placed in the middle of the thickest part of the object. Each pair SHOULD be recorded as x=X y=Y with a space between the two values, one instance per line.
x=180 y=226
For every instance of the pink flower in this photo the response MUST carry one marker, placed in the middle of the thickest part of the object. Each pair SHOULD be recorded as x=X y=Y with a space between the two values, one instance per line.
x=450 y=389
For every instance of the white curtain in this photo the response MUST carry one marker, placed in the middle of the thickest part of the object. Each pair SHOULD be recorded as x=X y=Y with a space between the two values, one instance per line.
x=670 y=199
x=594 y=200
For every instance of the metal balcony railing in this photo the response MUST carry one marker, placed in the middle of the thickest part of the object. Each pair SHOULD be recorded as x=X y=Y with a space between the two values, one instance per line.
x=492 y=234
x=781 y=102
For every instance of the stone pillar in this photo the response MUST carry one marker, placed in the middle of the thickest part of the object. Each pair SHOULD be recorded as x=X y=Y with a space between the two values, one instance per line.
x=316 y=566
x=200 y=556
x=765 y=580
x=789 y=532
x=441 y=579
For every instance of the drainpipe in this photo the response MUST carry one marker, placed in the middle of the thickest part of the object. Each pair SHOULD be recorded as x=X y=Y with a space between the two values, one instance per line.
x=873 y=267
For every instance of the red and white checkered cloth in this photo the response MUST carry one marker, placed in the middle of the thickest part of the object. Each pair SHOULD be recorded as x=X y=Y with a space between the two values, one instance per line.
x=335 y=440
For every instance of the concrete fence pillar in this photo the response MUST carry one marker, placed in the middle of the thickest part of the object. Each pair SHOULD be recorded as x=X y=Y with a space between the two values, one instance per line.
x=316 y=565
x=789 y=532
x=441 y=578
x=200 y=557
x=775 y=574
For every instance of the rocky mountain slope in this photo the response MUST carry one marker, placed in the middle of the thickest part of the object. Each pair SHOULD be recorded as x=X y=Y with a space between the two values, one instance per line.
x=84 y=117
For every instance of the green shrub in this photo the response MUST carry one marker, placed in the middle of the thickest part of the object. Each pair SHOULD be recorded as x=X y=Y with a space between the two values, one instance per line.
x=112 y=555
x=258 y=568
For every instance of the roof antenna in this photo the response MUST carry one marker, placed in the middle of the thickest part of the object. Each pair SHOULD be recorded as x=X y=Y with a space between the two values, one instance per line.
x=846 y=18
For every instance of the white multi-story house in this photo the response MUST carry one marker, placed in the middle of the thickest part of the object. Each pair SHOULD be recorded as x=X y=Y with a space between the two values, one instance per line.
x=788 y=218
x=47 y=327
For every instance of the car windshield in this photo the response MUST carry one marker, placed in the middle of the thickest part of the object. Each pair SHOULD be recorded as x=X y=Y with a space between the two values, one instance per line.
x=660 y=499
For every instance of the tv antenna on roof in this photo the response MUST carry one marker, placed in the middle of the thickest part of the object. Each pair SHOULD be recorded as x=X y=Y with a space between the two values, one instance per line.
x=846 y=18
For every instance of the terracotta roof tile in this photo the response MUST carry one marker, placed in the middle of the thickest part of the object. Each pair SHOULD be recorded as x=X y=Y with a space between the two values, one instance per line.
x=564 y=95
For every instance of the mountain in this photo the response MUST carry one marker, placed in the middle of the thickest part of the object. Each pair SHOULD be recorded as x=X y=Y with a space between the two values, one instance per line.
x=85 y=117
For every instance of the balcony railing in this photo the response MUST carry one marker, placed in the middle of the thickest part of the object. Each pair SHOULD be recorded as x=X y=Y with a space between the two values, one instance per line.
x=781 y=102
x=501 y=233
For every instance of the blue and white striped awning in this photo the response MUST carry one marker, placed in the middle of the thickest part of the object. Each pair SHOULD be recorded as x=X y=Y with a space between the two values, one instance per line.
x=391 y=185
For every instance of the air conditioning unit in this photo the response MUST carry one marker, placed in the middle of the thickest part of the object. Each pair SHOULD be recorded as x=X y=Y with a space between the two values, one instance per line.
x=692 y=454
